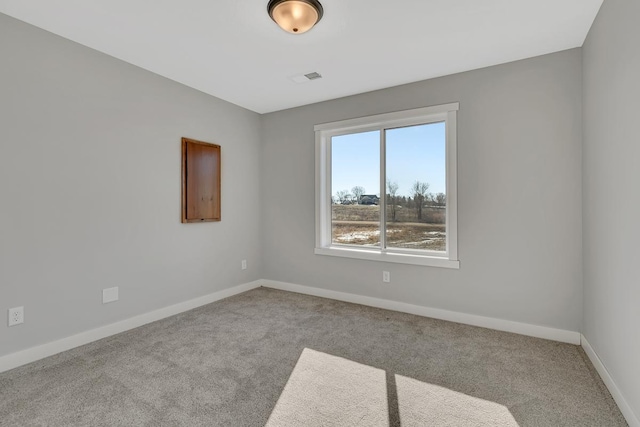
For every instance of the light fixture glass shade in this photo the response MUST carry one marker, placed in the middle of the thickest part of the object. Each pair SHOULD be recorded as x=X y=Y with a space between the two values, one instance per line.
x=295 y=16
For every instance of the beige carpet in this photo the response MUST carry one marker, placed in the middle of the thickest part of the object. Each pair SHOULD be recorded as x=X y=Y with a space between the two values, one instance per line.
x=281 y=358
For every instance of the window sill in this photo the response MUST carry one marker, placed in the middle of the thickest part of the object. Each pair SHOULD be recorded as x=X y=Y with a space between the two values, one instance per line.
x=429 y=261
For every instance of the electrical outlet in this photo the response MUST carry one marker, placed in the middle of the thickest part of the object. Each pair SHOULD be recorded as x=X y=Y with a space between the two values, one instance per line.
x=244 y=264
x=16 y=316
x=386 y=277
x=110 y=295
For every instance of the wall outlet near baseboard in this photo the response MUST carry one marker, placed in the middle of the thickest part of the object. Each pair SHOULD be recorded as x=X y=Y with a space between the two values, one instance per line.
x=110 y=295
x=244 y=264
x=16 y=316
x=386 y=277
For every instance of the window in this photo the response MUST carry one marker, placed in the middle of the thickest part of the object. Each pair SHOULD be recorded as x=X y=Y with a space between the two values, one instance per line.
x=386 y=187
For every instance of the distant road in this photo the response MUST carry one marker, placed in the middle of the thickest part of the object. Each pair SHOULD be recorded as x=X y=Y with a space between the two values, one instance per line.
x=374 y=223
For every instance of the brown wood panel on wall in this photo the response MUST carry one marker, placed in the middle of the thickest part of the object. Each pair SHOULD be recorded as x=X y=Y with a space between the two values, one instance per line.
x=200 y=181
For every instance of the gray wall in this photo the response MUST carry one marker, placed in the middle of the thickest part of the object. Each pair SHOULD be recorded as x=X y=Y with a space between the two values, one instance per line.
x=611 y=193
x=90 y=189
x=519 y=154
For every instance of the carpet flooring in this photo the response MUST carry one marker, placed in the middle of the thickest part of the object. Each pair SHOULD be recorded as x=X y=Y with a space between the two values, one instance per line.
x=276 y=358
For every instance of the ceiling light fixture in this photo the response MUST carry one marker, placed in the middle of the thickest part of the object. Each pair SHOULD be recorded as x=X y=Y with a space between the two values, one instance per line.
x=295 y=16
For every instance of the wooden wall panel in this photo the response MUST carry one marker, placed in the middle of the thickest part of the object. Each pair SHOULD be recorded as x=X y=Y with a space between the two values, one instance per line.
x=200 y=181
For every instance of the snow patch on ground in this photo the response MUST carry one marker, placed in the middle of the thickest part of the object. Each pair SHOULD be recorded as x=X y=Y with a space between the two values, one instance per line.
x=358 y=235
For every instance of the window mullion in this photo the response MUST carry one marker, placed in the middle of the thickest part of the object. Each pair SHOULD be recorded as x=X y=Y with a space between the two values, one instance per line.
x=329 y=190
x=383 y=193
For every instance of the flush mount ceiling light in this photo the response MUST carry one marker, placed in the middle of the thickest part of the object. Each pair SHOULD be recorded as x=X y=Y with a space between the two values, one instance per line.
x=295 y=16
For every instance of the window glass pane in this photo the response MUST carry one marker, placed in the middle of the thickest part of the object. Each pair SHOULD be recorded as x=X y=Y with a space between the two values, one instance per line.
x=355 y=189
x=416 y=187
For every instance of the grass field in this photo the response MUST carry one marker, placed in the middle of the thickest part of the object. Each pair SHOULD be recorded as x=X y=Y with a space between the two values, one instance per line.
x=358 y=225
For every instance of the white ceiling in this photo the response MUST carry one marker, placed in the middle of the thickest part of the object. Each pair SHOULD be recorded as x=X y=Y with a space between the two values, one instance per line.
x=231 y=49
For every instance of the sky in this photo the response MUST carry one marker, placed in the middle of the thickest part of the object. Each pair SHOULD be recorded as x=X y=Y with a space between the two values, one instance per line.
x=414 y=153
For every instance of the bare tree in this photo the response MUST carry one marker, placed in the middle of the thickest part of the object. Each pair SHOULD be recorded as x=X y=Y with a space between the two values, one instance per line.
x=410 y=203
x=344 y=197
x=357 y=192
x=441 y=199
x=392 y=195
x=430 y=199
x=419 y=190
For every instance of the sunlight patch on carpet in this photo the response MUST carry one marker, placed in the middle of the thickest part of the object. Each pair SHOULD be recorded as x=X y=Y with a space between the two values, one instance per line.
x=423 y=404
x=325 y=390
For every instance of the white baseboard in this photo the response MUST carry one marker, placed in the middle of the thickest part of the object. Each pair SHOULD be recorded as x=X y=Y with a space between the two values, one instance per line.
x=626 y=410
x=32 y=354
x=545 y=332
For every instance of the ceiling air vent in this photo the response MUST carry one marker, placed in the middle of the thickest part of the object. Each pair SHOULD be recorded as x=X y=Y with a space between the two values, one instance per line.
x=304 y=78
x=313 y=76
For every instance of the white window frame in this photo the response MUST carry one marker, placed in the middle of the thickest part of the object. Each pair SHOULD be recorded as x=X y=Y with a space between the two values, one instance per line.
x=324 y=132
